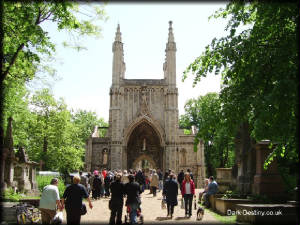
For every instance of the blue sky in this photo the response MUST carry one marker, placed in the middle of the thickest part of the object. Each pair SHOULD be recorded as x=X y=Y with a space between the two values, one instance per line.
x=85 y=76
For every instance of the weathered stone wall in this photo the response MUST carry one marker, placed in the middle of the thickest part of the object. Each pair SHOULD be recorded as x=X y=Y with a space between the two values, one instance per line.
x=99 y=145
x=189 y=159
x=132 y=98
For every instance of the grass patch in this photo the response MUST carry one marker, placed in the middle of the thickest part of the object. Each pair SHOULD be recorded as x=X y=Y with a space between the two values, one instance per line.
x=223 y=219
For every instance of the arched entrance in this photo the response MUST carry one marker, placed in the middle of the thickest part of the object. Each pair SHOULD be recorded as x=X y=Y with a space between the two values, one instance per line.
x=143 y=148
x=143 y=162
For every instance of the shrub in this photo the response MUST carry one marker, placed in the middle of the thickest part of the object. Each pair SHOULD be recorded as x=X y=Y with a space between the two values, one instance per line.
x=10 y=195
x=233 y=194
x=43 y=181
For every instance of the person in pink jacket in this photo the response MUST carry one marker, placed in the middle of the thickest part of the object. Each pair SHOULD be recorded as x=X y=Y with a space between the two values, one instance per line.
x=188 y=192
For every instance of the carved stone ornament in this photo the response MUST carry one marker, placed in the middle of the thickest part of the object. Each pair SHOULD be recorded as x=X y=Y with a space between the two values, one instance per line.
x=144 y=110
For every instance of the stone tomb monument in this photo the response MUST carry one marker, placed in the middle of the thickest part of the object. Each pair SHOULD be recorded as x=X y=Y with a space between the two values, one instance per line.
x=266 y=182
x=17 y=171
x=143 y=122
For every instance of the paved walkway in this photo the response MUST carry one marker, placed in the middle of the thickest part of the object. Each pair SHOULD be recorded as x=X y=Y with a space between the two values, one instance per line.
x=151 y=210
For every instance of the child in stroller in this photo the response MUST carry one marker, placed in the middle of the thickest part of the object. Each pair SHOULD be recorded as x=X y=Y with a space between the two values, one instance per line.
x=138 y=213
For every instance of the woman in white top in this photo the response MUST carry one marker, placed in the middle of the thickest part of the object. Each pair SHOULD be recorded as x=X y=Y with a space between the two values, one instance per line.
x=188 y=191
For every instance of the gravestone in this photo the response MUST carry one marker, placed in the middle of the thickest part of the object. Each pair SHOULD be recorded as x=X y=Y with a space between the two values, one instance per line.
x=266 y=182
x=224 y=179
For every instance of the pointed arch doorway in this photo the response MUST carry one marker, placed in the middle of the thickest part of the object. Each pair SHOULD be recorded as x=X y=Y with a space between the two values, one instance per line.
x=144 y=148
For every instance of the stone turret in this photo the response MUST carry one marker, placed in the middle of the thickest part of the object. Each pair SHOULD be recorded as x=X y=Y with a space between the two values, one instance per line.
x=170 y=61
x=118 y=70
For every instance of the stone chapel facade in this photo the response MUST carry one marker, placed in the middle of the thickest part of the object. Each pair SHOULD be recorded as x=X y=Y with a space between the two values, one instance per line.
x=143 y=122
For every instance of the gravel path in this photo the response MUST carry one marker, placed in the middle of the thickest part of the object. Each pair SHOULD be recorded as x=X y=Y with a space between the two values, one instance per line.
x=151 y=210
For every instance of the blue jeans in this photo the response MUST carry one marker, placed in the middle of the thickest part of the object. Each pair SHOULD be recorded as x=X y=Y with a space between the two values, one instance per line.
x=133 y=213
x=160 y=185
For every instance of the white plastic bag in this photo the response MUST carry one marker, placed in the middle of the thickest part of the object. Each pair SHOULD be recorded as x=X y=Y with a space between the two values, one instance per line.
x=58 y=218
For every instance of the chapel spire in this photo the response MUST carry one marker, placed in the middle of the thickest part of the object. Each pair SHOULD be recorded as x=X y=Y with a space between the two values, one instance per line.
x=118 y=34
x=171 y=35
x=170 y=61
x=118 y=70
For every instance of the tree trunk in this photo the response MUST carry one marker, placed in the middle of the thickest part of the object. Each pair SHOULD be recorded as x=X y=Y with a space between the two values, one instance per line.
x=221 y=158
x=43 y=160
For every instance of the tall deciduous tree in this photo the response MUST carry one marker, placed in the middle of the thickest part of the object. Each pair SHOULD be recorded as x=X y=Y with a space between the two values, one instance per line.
x=24 y=42
x=86 y=122
x=56 y=138
x=205 y=113
x=259 y=67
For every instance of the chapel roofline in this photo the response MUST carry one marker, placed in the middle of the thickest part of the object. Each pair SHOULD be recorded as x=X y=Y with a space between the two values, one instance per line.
x=143 y=82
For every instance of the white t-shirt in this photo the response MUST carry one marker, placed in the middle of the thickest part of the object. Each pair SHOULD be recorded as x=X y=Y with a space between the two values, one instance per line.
x=188 y=188
x=49 y=196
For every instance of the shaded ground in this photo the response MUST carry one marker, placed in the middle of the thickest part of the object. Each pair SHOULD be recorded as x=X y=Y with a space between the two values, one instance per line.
x=151 y=210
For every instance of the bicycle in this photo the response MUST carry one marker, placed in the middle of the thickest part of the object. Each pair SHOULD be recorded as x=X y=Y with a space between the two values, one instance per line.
x=27 y=213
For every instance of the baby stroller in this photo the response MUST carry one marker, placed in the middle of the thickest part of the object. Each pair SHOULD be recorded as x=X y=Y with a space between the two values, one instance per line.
x=140 y=217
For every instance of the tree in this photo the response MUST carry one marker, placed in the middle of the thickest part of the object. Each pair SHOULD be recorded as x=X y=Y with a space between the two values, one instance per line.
x=259 y=71
x=54 y=139
x=205 y=113
x=24 y=42
x=86 y=122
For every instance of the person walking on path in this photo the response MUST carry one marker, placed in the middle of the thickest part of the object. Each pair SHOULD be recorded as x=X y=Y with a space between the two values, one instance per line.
x=107 y=181
x=170 y=192
x=83 y=180
x=191 y=174
x=96 y=186
x=188 y=192
x=154 y=182
x=49 y=200
x=72 y=200
x=117 y=189
x=140 y=178
x=133 y=191
x=124 y=178
x=180 y=178
x=90 y=182
x=160 y=180
x=166 y=176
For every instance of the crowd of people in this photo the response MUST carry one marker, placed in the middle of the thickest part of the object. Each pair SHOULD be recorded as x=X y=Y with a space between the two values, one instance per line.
x=118 y=185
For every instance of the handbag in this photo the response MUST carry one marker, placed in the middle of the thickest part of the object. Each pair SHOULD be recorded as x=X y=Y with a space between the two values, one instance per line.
x=182 y=203
x=83 y=209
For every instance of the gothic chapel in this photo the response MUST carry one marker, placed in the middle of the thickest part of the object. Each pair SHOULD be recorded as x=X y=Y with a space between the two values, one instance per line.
x=143 y=122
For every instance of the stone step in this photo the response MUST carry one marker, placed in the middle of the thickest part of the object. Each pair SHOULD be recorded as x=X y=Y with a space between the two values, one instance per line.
x=9 y=215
